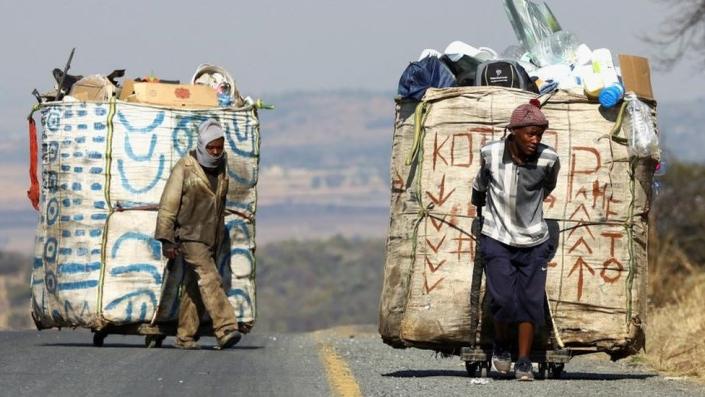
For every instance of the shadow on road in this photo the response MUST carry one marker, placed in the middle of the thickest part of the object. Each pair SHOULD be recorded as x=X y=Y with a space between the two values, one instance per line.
x=426 y=373
x=566 y=375
x=599 y=376
x=132 y=346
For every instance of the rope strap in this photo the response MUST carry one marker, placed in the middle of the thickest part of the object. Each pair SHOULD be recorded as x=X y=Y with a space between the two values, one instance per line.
x=419 y=119
x=614 y=134
x=629 y=228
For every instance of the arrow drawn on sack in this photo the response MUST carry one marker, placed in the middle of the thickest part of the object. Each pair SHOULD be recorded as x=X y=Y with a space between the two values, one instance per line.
x=581 y=264
x=437 y=224
x=434 y=268
x=584 y=210
x=436 y=247
x=577 y=243
x=441 y=198
x=431 y=288
x=581 y=224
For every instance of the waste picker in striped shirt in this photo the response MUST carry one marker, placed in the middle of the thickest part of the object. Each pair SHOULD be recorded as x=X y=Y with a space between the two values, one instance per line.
x=516 y=174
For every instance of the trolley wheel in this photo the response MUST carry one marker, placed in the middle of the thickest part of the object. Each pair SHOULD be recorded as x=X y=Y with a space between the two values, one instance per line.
x=478 y=369
x=543 y=367
x=474 y=369
x=487 y=367
x=153 y=341
x=555 y=371
x=99 y=338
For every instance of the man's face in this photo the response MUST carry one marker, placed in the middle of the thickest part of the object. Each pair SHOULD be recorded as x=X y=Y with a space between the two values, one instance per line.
x=528 y=138
x=215 y=147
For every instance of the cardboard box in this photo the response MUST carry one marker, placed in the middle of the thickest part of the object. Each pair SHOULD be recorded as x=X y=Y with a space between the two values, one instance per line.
x=636 y=75
x=172 y=95
x=128 y=88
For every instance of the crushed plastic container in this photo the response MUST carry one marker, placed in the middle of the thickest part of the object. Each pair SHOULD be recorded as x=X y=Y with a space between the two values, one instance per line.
x=533 y=24
x=559 y=48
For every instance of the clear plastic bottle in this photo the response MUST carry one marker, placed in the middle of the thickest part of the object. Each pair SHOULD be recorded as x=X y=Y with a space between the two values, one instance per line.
x=643 y=141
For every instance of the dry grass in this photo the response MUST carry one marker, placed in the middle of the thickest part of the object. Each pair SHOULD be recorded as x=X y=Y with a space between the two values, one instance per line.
x=676 y=319
x=676 y=331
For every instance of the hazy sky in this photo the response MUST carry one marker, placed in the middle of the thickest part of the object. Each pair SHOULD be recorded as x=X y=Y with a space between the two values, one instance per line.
x=276 y=47
x=272 y=47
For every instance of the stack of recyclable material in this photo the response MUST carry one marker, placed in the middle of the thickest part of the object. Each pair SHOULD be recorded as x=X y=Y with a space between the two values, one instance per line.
x=597 y=215
x=554 y=58
x=104 y=163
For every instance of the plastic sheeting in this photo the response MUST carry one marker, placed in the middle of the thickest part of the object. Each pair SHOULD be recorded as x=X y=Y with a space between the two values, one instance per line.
x=104 y=166
x=596 y=284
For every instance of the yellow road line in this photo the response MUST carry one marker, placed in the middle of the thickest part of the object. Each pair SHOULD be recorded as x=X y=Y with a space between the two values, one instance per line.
x=340 y=378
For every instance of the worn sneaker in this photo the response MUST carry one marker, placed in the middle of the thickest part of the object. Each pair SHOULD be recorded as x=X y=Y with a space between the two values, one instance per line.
x=186 y=345
x=523 y=369
x=229 y=340
x=501 y=359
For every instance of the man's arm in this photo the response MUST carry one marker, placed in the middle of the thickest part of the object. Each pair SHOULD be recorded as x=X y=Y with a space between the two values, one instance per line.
x=169 y=206
x=479 y=186
x=551 y=178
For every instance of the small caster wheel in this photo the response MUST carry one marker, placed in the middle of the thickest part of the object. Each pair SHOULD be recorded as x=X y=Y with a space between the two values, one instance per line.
x=474 y=369
x=153 y=341
x=542 y=370
x=98 y=338
x=486 y=368
x=555 y=371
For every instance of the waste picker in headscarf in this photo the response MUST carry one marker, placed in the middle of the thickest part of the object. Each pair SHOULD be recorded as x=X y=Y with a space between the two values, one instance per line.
x=191 y=223
x=516 y=174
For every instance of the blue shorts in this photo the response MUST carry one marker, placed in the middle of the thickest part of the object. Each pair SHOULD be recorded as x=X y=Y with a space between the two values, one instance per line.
x=516 y=280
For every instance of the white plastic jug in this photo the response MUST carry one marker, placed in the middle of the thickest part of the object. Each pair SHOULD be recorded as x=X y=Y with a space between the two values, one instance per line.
x=602 y=65
x=592 y=82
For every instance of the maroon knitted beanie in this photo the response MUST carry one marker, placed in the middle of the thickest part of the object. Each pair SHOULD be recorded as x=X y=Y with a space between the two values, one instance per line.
x=528 y=114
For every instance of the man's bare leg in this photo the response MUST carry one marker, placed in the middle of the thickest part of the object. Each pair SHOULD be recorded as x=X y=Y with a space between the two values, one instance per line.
x=526 y=339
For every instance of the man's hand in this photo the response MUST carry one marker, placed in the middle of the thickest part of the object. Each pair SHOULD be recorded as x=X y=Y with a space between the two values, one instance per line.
x=476 y=228
x=170 y=250
x=478 y=198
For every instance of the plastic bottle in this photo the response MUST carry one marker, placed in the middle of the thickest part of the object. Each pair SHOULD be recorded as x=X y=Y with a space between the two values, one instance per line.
x=656 y=188
x=643 y=140
x=610 y=96
x=661 y=168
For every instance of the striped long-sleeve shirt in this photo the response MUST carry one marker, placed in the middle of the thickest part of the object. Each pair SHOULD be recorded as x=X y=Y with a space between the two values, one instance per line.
x=515 y=193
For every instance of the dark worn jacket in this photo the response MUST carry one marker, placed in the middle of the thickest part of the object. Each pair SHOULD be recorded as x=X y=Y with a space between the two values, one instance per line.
x=189 y=210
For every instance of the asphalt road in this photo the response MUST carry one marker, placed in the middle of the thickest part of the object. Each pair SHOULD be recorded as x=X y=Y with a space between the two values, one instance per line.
x=344 y=361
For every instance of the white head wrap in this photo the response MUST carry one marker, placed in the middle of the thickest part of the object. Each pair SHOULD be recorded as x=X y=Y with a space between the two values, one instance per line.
x=208 y=131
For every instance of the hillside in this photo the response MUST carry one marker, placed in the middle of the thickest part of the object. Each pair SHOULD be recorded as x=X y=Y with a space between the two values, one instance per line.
x=324 y=166
x=301 y=285
x=14 y=291
x=681 y=126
